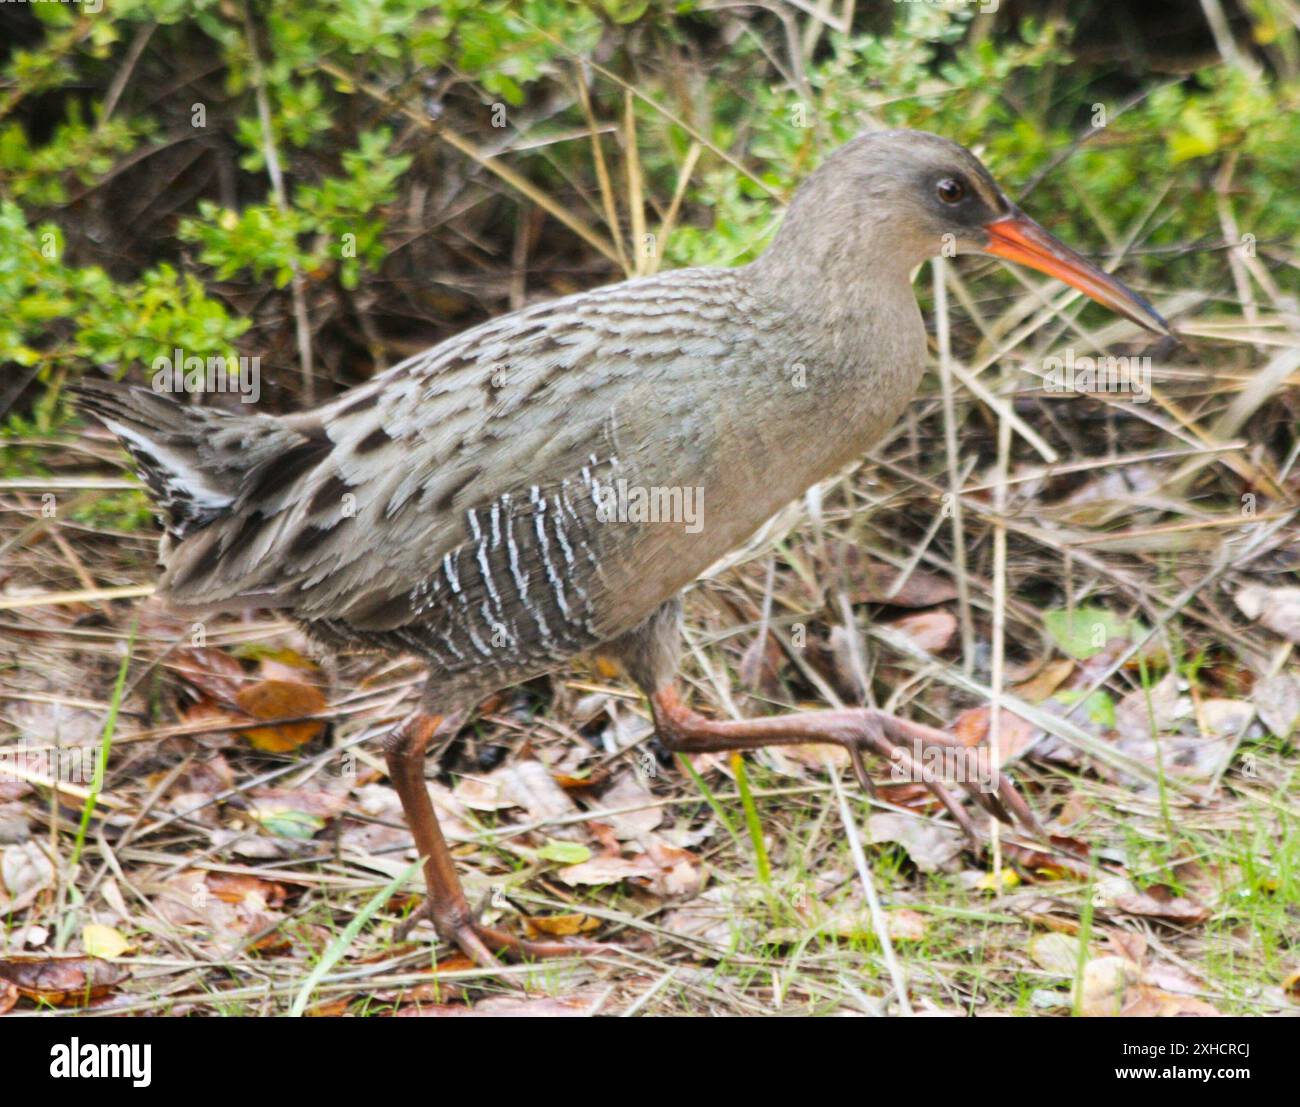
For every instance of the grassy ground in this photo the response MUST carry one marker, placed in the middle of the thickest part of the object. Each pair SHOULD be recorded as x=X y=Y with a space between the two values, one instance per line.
x=1119 y=571
x=231 y=869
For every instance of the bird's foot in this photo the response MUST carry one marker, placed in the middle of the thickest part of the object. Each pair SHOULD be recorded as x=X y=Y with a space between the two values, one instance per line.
x=914 y=749
x=482 y=943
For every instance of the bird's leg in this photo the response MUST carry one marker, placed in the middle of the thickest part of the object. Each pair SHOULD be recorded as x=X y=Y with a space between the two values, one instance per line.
x=446 y=906
x=685 y=731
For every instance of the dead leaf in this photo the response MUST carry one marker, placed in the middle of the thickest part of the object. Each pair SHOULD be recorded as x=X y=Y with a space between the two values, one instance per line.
x=932 y=631
x=869 y=581
x=1106 y=981
x=1055 y=953
x=559 y=926
x=1160 y=902
x=103 y=941
x=1277 y=699
x=1276 y=608
x=1147 y=1002
x=1291 y=985
x=905 y=925
x=629 y=792
x=506 y=1007
x=213 y=672
x=678 y=869
x=240 y=887
x=282 y=699
x=527 y=784
x=294 y=813
x=25 y=872
x=931 y=847
x=760 y=665
x=1045 y=682
x=1144 y=712
x=62 y=981
x=608 y=870
x=1014 y=734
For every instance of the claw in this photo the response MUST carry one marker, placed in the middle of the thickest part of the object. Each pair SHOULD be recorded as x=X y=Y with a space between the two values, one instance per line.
x=890 y=737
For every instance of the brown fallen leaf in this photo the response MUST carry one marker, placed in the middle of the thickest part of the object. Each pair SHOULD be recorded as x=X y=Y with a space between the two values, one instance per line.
x=1046 y=681
x=869 y=581
x=527 y=784
x=932 y=847
x=330 y=1009
x=238 y=887
x=1055 y=865
x=760 y=665
x=559 y=926
x=644 y=816
x=282 y=699
x=1160 y=902
x=1276 y=608
x=1114 y=987
x=905 y=925
x=211 y=671
x=1014 y=734
x=505 y=1007
x=679 y=872
x=1147 y=1002
x=932 y=631
x=62 y=981
x=608 y=869
x=1277 y=699
x=1291 y=985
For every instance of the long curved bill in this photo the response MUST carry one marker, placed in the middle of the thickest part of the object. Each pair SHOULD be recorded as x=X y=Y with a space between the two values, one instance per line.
x=1018 y=238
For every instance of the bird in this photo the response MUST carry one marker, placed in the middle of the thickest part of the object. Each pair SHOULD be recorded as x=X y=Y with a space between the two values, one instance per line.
x=547 y=483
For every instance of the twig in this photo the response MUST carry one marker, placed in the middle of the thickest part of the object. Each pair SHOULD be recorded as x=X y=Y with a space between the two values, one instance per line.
x=297 y=283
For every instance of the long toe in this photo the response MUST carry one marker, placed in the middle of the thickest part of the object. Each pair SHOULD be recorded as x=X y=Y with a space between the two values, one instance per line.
x=523 y=948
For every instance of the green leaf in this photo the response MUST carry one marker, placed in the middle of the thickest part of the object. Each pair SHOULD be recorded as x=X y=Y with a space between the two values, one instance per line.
x=1085 y=631
x=564 y=853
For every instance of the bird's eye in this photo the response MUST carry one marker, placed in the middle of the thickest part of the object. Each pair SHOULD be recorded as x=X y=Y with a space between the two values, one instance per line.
x=951 y=191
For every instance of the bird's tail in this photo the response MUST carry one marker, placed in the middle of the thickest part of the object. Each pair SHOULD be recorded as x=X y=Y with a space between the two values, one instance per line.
x=194 y=460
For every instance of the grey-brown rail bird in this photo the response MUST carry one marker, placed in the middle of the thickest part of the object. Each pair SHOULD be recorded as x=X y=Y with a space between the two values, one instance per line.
x=471 y=506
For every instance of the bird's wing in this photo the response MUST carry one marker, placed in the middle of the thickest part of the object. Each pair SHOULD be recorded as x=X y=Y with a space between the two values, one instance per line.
x=436 y=473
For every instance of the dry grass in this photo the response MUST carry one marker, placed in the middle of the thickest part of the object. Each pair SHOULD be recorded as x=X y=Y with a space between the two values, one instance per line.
x=1138 y=514
x=921 y=580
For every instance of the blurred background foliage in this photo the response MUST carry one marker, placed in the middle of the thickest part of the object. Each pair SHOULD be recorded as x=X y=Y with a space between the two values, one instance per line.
x=351 y=180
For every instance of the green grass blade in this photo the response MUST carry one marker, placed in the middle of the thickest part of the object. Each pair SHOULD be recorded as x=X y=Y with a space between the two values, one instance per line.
x=105 y=744
x=339 y=946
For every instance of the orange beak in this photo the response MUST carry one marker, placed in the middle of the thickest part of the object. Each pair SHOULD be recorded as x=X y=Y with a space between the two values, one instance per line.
x=1016 y=237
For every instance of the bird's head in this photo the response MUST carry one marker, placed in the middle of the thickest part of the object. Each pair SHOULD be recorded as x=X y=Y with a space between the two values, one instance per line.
x=917 y=195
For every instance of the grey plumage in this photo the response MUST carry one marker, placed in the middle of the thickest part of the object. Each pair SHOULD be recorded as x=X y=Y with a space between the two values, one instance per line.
x=449 y=507
x=458 y=505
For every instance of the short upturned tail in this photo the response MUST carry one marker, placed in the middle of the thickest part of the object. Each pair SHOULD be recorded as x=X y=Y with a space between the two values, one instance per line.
x=194 y=460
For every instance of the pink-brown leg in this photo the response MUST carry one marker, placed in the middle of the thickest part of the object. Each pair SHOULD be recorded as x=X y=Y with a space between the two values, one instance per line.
x=686 y=731
x=445 y=906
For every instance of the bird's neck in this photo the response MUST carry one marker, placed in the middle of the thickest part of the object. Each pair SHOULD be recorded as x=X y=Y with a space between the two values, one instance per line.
x=848 y=314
